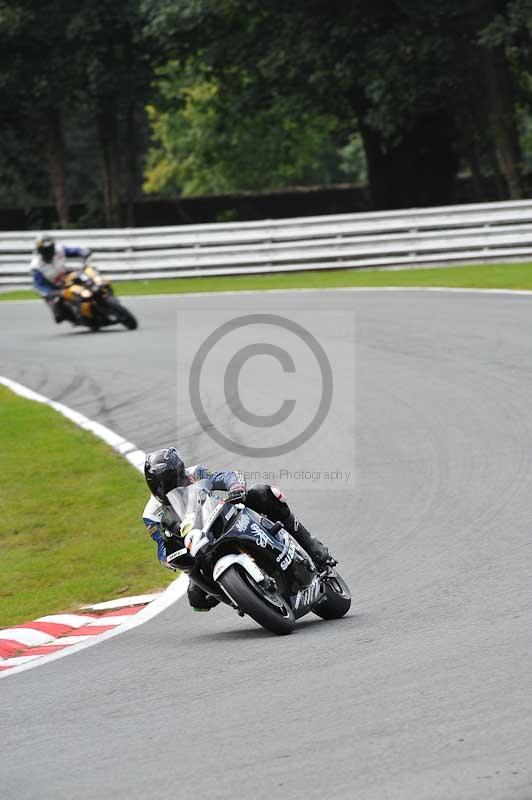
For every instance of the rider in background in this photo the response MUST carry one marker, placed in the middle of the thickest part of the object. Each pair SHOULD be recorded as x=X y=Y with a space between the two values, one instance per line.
x=165 y=470
x=48 y=269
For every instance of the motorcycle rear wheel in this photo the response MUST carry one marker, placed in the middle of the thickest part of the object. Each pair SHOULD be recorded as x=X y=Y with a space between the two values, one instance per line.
x=274 y=614
x=337 y=599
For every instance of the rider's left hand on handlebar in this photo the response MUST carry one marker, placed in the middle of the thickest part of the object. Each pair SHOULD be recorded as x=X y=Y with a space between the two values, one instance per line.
x=194 y=541
x=237 y=493
x=186 y=525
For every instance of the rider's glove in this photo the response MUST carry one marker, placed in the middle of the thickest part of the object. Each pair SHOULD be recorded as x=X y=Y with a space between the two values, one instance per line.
x=237 y=493
x=186 y=525
x=194 y=541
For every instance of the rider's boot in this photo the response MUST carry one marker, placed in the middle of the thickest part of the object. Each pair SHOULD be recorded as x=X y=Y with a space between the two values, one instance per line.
x=200 y=600
x=316 y=549
x=56 y=307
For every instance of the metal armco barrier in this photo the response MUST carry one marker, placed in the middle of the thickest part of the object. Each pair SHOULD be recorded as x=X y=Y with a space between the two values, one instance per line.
x=451 y=234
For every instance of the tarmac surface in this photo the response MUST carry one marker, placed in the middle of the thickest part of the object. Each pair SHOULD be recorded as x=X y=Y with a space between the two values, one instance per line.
x=425 y=689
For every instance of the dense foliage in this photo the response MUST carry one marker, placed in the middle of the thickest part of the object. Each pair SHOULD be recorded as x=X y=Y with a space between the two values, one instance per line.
x=101 y=102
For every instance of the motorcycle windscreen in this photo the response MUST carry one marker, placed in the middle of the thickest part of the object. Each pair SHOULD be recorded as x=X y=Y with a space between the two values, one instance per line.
x=194 y=504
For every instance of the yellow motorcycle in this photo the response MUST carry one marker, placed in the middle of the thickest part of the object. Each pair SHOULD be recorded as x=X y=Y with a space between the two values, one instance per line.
x=89 y=300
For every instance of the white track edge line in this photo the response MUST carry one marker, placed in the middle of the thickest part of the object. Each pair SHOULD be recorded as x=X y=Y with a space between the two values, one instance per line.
x=313 y=290
x=136 y=457
x=309 y=289
x=174 y=591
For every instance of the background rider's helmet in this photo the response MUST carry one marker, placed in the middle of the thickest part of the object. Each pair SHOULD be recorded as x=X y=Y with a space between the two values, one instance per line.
x=164 y=470
x=45 y=245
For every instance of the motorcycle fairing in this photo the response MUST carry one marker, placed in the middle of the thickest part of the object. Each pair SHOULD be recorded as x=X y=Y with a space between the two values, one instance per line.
x=234 y=529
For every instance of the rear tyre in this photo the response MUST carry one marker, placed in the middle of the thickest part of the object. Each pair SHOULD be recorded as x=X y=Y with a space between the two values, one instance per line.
x=266 y=607
x=337 y=600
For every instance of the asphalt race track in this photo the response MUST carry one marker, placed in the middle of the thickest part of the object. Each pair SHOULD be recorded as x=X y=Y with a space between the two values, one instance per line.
x=424 y=690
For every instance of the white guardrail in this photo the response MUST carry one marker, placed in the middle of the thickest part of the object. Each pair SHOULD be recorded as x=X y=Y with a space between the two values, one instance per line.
x=451 y=234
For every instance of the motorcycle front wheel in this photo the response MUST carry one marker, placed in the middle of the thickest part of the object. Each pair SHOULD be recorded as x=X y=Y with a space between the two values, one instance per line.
x=121 y=313
x=265 y=606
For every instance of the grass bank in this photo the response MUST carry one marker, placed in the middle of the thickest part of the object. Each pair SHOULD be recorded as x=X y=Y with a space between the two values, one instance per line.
x=485 y=276
x=70 y=529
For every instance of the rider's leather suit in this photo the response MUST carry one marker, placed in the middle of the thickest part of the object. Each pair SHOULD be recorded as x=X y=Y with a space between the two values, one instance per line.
x=48 y=277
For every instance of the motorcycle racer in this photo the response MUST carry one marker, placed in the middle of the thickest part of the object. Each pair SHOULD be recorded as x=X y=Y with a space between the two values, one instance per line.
x=48 y=269
x=165 y=470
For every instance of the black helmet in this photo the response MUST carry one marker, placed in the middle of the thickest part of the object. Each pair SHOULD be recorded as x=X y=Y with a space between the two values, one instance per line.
x=164 y=470
x=45 y=245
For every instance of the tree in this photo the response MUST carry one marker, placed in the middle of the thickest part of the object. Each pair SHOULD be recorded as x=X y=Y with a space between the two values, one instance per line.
x=83 y=63
x=113 y=62
x=505 y=42
x=255 y=95
x=33 y=83
x=201 y=145
x=405 y=71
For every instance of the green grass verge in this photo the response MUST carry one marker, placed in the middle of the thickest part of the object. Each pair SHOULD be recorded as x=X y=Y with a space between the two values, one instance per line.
x=485 y=276
x=70 y=529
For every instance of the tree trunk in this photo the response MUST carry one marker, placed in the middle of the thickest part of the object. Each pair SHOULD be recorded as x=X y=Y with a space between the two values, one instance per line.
x=419 y=171
x=500 y=96
x=107 y=123
x=492 y=87
x=55 y=151
x=131 y=163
